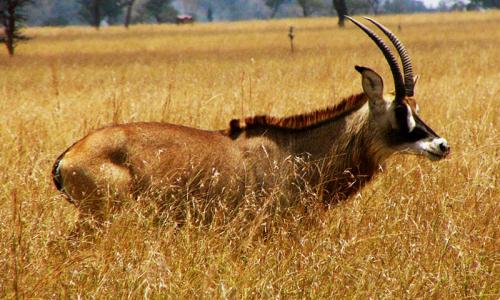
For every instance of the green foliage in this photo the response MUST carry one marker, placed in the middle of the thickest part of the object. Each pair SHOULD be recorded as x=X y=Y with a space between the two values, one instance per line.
x=94 y=11
x=358 y=6
x=274 y=6
x=487 y=3
x=56 y=21
x=52 y=13
x=404 y=6
x=310 y=6
x=61 y=12
x=161 y=10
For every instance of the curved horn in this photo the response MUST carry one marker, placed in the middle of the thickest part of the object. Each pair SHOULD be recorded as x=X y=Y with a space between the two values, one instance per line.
x=405 y=58
x=393 y=63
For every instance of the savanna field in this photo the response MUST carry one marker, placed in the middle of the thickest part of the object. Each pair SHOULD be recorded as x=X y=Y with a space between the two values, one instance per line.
x=420 y=229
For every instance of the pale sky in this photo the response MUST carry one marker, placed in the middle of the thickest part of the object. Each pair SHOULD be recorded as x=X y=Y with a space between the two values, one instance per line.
x=435 y=3
x=431 y=3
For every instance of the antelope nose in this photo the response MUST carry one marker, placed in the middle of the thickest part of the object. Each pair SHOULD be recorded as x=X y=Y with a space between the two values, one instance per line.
x=443 y=146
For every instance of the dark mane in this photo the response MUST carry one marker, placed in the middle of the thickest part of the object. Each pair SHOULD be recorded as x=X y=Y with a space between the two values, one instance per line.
x=298 y=122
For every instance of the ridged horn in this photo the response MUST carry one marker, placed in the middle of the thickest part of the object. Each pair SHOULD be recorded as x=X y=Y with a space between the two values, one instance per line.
x=405 y=57
x=391 y=60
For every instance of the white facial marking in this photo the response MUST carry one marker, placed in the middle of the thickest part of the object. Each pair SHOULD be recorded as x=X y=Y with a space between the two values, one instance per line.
x=430 y=148
x=437 y=143
x=410 y=119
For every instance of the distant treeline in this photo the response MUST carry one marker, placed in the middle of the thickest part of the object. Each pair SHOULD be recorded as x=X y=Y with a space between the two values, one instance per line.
x=103 y=12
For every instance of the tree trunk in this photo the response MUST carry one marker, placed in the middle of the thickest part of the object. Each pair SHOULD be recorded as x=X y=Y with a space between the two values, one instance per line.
x=274 y=9
x=11 y=17
x=210 y=16
x=341 y=9
x=10 y=27
x=97 y=13
x=128 y=13
x=158 y=18
x=305 y=11
x=305 y=8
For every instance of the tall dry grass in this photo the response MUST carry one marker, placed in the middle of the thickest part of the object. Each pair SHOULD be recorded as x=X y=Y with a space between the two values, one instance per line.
x=419 y=230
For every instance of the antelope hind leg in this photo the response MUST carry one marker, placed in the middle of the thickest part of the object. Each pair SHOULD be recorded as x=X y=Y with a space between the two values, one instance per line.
x=97 y=191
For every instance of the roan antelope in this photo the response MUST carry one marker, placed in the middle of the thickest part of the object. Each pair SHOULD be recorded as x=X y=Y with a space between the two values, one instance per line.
x=346 y=143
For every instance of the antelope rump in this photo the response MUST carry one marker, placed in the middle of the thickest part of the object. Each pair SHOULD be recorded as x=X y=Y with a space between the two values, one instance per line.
x=346 y=143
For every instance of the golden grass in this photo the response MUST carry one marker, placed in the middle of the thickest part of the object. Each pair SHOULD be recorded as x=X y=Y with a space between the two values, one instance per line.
x=419 y=230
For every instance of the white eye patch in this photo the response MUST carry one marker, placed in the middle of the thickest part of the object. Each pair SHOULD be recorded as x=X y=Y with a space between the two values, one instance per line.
x=410 y=120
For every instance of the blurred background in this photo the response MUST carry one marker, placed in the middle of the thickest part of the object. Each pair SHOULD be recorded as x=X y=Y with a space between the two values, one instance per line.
x=108 y=12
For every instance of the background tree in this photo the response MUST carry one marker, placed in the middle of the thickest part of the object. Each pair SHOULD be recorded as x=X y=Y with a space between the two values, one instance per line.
x=309 y=6
x=161 y=10
x=274 y=5
x=341 y=9
x=94 y=11
x=51 y=12
x=358 y=7
x=304 y=4
x=12 y=18
x=128 y=5
x=374 y=5
x=76 y=12
x=188 y=7
x=210 y=14
x=487 y=3
x=404 y=6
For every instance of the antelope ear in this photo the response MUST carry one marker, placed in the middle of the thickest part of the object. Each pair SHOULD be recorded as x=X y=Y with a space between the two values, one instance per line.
x=373 y=86
x=415 y=80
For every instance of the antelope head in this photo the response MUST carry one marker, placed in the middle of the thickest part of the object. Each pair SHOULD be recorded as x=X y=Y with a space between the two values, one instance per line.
x=400 y=126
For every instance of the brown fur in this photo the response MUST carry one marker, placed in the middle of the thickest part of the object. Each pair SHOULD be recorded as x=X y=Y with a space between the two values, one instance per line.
x=333 y=151
x=301 y=121
x=127 y=160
